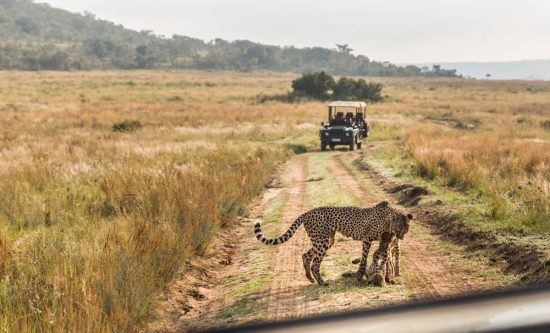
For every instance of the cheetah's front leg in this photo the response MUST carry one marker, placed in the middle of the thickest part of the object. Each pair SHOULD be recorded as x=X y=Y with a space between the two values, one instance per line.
x=363 y=262
x=397 y=254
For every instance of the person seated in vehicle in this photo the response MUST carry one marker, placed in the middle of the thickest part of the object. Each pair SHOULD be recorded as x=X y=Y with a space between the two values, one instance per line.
x=359 y=119
x=339 y=118
x=349 y=118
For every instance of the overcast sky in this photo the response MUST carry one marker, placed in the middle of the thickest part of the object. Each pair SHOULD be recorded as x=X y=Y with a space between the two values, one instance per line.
x=393 y=30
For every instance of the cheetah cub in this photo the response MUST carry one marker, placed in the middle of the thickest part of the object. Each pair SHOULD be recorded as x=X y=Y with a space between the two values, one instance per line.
x=384 y=262
x=322 y=223
x=395 y=259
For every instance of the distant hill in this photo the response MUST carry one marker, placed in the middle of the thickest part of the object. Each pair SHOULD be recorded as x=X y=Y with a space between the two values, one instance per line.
x=505 y=70
x=38 y=37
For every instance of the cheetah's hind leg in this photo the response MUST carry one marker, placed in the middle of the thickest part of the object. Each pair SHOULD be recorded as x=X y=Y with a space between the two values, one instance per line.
x=306 y=258
x=320 y=250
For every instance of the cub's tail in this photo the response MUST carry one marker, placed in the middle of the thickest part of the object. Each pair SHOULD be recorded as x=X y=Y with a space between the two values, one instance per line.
x=276 y=241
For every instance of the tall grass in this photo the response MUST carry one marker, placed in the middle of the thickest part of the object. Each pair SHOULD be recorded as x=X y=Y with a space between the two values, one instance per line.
x=97 y=254
x=94 y=221
x=488 y=138
x=513 y=173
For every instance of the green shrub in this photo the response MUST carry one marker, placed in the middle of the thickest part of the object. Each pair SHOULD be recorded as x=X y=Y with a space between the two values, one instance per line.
x=350 y=89
x=318 y=86
x=315 y=85
x=127 y=126
x=296 y=148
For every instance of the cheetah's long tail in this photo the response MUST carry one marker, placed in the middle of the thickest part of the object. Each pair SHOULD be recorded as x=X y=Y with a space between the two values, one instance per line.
x=280 y=240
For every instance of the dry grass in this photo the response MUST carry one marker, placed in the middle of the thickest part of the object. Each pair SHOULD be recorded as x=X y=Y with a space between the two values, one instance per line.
x=513 y=173
x=94 y=221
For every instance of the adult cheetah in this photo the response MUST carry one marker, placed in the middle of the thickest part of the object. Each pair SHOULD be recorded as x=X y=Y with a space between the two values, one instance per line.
x=322 y=223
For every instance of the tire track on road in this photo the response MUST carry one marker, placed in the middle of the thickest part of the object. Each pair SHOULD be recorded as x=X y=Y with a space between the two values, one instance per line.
x=285 y=300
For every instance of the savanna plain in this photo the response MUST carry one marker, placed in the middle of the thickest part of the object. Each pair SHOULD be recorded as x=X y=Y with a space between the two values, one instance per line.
x=116 y=188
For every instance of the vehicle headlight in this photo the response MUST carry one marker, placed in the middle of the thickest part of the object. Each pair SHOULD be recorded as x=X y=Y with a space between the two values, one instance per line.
x=326 y=133
x=347 y=133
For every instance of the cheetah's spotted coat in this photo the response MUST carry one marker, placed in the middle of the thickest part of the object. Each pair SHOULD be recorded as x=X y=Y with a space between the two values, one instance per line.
x=322 y=223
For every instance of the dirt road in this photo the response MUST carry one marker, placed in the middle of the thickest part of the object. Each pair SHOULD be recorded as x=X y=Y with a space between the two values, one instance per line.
x=243 y=281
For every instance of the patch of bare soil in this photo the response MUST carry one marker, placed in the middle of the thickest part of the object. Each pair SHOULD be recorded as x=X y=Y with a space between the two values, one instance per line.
x=525 y=260
x=408 y=195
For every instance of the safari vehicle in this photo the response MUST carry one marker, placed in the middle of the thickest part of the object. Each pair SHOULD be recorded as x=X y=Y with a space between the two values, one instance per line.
x=346 y=125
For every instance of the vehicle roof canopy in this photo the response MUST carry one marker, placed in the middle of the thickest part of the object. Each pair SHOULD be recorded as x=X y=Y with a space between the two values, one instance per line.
x=348 y=104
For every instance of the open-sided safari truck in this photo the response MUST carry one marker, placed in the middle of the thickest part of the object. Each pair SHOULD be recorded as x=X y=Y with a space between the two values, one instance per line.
x=347 y=125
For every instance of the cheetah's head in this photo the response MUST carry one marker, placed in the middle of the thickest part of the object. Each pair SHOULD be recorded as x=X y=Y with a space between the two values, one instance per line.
x=400 y=223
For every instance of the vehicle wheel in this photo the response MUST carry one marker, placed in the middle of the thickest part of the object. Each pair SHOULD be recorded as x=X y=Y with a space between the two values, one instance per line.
x=352 y=144
x=359 y=145
x=331 y=147
x=323 y=146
